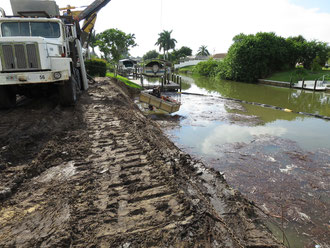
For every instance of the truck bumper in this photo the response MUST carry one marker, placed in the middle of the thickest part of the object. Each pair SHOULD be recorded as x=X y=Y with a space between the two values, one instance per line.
x=40 y=77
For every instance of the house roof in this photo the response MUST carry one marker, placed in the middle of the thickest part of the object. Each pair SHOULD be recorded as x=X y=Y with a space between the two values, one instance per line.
x=219 y=55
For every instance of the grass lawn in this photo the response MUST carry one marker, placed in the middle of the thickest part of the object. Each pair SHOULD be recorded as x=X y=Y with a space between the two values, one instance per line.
x=285 y=76
x=186 y=69
x=124 y=80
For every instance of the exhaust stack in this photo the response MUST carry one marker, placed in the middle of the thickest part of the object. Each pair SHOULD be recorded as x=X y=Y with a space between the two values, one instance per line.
x=3 y=13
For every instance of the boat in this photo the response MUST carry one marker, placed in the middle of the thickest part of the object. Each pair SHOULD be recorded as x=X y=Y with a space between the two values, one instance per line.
x=127 y=66
x=165 y=104
x=156 y=67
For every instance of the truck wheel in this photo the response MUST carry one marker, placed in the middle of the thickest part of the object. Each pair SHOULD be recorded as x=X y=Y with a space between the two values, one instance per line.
x=7 y=97
x=68 y=92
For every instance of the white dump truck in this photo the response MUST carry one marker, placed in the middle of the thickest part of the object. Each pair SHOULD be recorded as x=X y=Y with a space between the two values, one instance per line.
x=40 y=50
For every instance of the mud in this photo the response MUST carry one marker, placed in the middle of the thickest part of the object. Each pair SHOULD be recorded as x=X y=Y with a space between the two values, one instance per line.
x=102 y=175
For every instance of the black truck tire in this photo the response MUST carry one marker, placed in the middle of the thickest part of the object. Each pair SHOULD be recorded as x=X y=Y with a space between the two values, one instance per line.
x=68 y=92
x=7 y=97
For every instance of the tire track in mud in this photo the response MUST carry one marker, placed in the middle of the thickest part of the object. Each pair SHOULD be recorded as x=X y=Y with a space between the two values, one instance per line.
x=133 y=197
x=108 y=177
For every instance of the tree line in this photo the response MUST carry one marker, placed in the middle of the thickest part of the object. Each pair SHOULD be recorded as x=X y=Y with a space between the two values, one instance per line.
x=251 y=57
x=115 y=44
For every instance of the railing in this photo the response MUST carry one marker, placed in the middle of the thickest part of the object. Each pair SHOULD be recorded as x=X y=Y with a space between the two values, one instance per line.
x=188 y=63
x=134 y=72
x=171 y=78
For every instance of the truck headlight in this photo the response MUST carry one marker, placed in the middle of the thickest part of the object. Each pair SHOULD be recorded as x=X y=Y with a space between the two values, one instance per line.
x=57 y=75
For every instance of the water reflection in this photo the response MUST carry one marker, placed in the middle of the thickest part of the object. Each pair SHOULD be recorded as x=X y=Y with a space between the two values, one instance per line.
x=295 y=99
x=233 y=133
x=216 y=121
x=280 y=160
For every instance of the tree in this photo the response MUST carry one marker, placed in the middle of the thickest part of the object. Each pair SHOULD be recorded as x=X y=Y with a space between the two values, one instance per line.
x=202 y=51
x=304 y=52
x=316 y=64
x=151 y=55
x=240 y=37
x=183 y=52
x=115 y=44
x=316 y=49
x=255 y=56
x=165 y=42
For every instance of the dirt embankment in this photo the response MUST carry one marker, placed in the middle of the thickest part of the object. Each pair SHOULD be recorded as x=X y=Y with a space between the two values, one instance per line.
x=103 y=175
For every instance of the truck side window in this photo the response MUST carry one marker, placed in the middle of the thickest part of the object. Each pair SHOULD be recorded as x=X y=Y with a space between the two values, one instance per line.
x=55 y=29
x=10 y=29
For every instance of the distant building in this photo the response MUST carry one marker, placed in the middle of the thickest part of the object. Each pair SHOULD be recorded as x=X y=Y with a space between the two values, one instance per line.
x=219 y=56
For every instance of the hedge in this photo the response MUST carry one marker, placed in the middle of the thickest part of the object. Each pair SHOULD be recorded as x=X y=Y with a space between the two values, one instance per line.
x=96 y=67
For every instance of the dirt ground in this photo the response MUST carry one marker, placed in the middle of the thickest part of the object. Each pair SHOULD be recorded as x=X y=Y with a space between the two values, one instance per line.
x=100 y=174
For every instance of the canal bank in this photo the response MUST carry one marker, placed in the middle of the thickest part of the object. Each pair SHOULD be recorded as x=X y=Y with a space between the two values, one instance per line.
x=101 y=174
x=278 y=159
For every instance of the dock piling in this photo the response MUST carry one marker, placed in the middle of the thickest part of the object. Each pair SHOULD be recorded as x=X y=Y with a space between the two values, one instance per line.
x=180 y=79
x=315 y=84
x=141 y=79
x=302 y=84
x=162 y=88
x=291 y=82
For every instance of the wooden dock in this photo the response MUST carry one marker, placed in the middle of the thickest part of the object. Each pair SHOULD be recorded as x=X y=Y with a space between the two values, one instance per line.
x=274 y=83
x=170 y=86
x=169 y=83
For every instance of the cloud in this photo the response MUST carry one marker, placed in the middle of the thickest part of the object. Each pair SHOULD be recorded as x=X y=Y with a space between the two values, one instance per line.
x=209 y=22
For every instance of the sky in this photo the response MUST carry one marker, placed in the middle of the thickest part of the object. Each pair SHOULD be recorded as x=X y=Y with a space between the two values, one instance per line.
x=212 y=23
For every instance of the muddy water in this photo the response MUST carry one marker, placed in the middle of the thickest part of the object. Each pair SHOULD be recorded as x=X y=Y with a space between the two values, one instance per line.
x=279 y=160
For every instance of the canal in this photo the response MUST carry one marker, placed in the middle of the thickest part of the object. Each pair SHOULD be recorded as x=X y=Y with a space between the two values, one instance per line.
x=279 y=160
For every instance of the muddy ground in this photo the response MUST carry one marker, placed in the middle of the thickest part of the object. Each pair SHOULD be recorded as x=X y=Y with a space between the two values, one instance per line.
x=100 y=174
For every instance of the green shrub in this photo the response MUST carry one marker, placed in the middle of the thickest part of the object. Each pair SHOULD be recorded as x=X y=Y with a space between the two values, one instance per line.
x=316 y=64
x=299 y=72
x=255 y=56
x=96 y=67
x=207 y=68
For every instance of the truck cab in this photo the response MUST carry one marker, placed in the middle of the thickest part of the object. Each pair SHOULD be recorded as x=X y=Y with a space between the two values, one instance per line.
x=39 y=49
x=32 y=51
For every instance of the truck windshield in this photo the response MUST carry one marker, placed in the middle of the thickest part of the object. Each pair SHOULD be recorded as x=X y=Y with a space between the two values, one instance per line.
x=43 y=29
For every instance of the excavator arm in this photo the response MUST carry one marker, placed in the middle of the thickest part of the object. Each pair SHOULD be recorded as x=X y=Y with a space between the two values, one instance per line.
x=93 y=8
x=89 y=16
x=87 y=29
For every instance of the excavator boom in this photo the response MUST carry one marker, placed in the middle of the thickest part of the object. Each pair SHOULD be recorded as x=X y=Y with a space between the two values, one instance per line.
x=92 y=8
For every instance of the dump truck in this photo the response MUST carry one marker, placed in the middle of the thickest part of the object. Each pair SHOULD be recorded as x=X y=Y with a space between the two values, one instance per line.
x=42 y=50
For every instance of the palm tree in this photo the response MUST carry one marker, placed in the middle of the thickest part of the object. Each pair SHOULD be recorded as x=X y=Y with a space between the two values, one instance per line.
x=202 y=51
x=165 y=41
